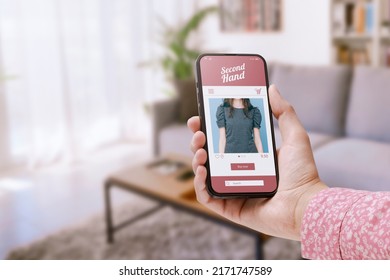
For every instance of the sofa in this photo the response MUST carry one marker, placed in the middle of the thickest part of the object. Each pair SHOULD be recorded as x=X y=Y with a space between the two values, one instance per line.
x=345 y=110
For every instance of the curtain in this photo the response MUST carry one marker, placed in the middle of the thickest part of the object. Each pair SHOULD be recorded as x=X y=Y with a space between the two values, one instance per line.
x=77 y=82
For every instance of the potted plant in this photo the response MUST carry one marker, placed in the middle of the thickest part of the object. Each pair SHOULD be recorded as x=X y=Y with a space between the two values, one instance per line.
x=178 y=61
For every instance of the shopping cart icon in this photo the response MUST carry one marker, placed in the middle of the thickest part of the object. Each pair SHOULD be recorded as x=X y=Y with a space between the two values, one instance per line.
x=258 y=91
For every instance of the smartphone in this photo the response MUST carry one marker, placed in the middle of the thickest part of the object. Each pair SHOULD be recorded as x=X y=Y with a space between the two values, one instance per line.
x=233 y=104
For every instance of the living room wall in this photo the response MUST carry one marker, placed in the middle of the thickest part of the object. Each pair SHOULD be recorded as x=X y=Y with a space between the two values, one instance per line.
x=304 y=38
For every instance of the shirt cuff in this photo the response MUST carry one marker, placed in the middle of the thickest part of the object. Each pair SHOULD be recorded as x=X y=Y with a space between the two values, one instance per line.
x=322 y=221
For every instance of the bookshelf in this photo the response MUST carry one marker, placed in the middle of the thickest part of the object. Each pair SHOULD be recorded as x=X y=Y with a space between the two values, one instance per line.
x=360 y=32
x=251 y=15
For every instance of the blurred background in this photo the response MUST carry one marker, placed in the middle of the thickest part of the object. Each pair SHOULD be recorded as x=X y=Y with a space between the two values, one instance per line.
x=91 y=87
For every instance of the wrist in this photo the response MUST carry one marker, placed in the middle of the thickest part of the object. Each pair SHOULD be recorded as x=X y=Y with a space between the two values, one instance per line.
x=303 y=202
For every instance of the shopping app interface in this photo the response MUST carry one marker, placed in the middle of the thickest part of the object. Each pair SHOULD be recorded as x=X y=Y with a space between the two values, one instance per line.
x=238 y=125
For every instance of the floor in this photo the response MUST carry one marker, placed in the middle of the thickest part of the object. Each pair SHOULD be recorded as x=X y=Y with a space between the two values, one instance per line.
x=35 y=204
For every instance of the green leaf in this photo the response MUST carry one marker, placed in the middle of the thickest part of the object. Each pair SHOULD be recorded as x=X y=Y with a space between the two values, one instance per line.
x=178 y=59
x=194 y=23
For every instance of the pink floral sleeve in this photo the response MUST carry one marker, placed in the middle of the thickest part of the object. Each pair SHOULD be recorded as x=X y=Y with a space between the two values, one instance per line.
x=347 y=224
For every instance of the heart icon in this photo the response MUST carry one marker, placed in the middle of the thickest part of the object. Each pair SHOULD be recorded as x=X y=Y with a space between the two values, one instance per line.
x=216 y=156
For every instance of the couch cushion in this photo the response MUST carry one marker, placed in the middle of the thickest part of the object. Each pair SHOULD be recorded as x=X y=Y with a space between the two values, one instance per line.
x=175 y=138
x=318 y=94
x=354 y=163
x=316 y=139
x=186 y=93
x=368 y=111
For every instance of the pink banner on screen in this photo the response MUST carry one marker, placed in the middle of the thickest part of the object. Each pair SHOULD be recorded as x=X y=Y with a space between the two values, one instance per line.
x=232 y=71
x=218 y=184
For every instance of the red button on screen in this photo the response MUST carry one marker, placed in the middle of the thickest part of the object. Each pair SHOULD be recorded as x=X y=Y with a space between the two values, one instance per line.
x=242 y=166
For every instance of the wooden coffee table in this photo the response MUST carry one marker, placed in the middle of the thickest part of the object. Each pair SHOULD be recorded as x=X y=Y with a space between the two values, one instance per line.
x=150 y=180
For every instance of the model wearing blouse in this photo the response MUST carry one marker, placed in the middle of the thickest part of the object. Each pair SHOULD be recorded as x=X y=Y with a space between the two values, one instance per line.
x=239 y=129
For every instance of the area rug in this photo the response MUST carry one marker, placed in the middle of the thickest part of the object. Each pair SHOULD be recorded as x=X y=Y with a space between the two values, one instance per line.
x=166 y=234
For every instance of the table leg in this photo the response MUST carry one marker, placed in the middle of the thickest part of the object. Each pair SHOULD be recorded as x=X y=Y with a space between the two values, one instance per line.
x=109 y=224
x=110 y=227
x=259 y=254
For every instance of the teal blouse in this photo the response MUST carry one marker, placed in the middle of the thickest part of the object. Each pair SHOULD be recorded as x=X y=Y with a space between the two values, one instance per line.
x=239 y=128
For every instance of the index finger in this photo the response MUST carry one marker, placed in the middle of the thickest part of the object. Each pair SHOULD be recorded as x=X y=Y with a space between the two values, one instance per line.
x=194 y=124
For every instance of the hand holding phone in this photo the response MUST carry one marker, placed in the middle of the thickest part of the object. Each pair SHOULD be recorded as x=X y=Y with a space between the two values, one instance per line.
x=282 y=214
x=236 y=119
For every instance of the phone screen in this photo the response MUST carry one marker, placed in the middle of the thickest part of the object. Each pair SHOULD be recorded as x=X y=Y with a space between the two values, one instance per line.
x=236 y=118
